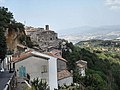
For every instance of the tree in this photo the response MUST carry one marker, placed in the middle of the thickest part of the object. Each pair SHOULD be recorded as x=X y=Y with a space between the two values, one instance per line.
x=6 y=18
x=7 y=23
x=3 y=47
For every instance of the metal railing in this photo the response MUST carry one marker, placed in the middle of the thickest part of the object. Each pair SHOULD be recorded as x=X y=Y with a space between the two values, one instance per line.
x=10 y=84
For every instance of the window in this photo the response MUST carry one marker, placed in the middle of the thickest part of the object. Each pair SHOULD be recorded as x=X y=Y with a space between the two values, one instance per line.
x=44 y=69
x=50 y=38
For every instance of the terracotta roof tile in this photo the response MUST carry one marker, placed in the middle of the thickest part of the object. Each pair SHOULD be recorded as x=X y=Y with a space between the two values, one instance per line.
x=24 y=55
x=59 y=57
x=56 y=51
x=63 y=74
x=20 y=56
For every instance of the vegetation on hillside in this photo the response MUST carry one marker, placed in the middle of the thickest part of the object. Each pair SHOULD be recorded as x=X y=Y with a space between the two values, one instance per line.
x=6 y=18
x=103 y=71
x=7 y=25
x=100 y=44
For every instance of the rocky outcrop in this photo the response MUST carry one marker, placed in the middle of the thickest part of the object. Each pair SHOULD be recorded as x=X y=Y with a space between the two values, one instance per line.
x=13 y=38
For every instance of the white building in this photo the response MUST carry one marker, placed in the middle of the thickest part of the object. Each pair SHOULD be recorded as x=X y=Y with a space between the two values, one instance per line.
x=81 y=65
x=63 y=75
x=49 y=67
x=6 y=64
x=37 y=65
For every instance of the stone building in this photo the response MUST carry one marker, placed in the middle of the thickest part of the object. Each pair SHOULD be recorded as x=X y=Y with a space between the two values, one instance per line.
x=81 y=65
x=43 y=38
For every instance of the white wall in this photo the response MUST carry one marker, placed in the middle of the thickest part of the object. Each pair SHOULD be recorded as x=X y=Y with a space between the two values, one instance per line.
x=66 y=81
x=33 y=67
x=82 y=71
x=53 y=73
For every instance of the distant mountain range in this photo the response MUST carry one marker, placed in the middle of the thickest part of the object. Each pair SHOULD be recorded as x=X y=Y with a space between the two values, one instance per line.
x=86 y=33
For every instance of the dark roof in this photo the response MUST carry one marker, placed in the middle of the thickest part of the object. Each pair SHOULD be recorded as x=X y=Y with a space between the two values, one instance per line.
x=4 y=78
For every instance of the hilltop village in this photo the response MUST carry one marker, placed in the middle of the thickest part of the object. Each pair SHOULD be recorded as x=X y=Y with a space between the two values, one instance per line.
x=37 y=59
x=37 y=55
x=43 y=39
x=42 y=58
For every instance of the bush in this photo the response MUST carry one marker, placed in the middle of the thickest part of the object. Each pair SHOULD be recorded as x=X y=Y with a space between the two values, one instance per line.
x=39 y=85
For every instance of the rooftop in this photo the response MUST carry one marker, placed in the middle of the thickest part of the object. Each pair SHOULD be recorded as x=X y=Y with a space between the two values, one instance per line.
x=20 y=56
x=63 y=74
x=53 y=55
x=27 y=54
x=81 y=63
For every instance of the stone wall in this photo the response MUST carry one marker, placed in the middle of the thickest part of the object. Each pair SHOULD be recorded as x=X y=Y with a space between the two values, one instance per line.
x=43 y=38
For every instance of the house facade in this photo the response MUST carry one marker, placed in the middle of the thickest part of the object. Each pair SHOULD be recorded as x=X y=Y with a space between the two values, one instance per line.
x=37 y=65
x=64 y=77
x=7 y=64
x=81 y=65
x=49 y=67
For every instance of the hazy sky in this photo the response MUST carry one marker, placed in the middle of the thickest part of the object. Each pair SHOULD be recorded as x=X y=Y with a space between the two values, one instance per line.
x=63 y=14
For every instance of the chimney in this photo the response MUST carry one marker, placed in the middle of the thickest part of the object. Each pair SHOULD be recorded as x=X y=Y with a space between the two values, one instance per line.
x=46 y=27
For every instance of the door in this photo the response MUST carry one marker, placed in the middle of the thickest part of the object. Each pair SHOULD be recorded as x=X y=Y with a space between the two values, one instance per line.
x=22 y=71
